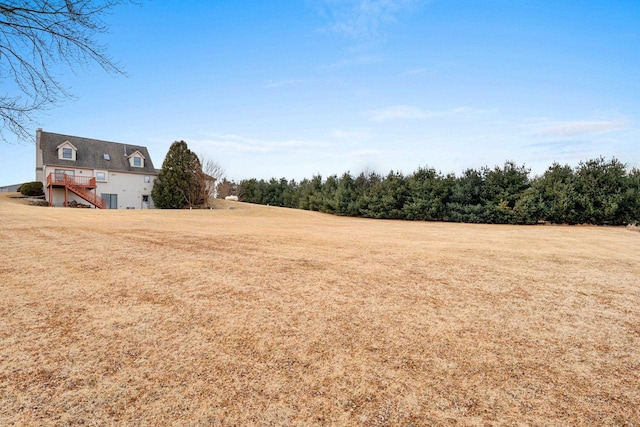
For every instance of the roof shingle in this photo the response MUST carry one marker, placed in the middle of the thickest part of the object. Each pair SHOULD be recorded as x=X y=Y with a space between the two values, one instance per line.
x=91 y=154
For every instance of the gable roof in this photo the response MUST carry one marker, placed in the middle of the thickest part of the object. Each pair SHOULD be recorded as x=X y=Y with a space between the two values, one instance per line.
x=67 y=143
x=91 y=154
x=138 y=153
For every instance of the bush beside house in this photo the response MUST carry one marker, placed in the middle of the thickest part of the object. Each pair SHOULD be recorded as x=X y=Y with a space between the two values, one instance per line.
x=32 y=189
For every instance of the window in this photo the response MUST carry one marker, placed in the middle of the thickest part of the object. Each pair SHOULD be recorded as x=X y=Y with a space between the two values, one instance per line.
x=147 y=179
x=60 y=173
x=66 y=151
x=106 y=156
x=101 y=176
x=136 y=159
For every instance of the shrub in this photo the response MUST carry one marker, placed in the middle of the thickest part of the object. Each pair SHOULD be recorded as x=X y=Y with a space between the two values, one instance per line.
x=33 y=188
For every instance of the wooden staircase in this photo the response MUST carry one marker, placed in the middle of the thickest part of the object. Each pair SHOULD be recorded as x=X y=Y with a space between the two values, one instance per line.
x=84 y=192
x=80 y=186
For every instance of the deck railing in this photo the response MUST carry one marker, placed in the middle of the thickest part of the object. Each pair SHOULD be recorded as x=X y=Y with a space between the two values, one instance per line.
x=64 y=179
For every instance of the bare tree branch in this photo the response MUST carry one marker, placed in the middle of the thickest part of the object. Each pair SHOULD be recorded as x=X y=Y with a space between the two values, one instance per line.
x=212 y=173
x=35 y=37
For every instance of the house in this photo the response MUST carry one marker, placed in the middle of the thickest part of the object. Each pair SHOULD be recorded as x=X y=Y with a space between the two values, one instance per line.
x=97 y=173
x=9 y=188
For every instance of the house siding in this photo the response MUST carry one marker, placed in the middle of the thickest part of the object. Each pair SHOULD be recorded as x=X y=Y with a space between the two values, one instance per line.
x=128 y=185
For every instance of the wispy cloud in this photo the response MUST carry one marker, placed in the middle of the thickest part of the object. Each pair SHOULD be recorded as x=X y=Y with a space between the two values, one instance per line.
x=570 y=129
x=400 y=112
x=573 y=141
x=562 y=151
x=240 y=144
x=350 y=133
x=355 y=61
x=362 y=19
x=561 y=147
x=409 y=112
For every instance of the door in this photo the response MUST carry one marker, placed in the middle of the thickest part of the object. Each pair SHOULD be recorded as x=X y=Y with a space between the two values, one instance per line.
x=145 y=201
x=110 y=200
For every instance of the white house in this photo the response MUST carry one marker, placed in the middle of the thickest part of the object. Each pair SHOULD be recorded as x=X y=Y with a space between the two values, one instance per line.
x=98 y=173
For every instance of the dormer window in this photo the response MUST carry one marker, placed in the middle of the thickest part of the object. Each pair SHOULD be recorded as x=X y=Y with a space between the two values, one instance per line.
x=106 y=156
x=66 y=151
x=136 y=159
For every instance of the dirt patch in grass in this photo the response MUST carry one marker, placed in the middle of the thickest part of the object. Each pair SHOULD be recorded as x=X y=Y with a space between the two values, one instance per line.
x=267 y=316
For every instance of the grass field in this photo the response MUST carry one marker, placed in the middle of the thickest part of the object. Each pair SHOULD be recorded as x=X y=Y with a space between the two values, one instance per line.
x=266 y=316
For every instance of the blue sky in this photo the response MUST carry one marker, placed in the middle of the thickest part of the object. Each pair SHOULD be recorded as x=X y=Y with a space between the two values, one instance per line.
x=296 y=88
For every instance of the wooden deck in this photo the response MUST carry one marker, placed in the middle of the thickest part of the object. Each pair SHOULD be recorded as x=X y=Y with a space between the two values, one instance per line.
x=79 y=185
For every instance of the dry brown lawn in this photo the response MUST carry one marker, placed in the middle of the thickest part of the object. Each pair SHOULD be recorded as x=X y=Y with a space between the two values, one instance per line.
x=266 y=316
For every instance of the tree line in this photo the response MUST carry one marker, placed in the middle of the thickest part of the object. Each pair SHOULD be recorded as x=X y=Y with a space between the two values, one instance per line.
x=597 y=191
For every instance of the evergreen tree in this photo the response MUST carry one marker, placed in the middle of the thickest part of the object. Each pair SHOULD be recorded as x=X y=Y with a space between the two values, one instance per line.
x=178 y=183
x=602 y=186
x=632 y=199
x=557 y=196
x=503 y=187
x=345 y=196
x=428 y=195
